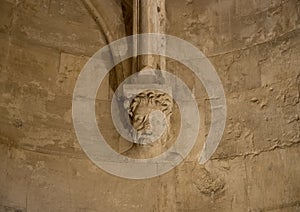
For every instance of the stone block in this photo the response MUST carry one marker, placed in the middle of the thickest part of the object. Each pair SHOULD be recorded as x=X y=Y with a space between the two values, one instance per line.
x=4 y=44
x=70 y=67
x=69 y=70
x=240 y=71
x=49 y=183
x=34 y=24
x=6 y=11
x=273 y=120
x=4 y=208
x=72 y=11
x=103 y=115
x=278 y=59
x=219 y=185
x=15 y=180
x=33 y=64
x=131 y=196
x=278 y=187
x=219 y=29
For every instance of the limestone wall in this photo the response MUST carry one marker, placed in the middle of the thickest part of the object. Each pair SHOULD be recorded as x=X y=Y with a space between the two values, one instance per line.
x=255 y=48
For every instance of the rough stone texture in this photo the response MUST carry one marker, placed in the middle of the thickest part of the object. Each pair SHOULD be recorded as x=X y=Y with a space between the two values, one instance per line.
x=255 y=47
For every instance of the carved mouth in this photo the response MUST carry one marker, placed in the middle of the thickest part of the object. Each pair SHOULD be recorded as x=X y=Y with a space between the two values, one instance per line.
x=142 y=137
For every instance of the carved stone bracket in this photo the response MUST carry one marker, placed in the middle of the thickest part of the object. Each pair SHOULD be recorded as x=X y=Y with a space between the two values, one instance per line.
x=149 y=111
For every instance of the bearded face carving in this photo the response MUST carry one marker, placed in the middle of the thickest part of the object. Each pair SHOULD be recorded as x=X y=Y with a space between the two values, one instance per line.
x=141 y=111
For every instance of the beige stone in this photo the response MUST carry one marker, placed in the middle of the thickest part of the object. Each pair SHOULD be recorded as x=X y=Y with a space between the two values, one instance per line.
x=254 y=47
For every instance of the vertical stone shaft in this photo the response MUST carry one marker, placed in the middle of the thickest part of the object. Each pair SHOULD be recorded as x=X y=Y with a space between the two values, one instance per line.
x=149 y=17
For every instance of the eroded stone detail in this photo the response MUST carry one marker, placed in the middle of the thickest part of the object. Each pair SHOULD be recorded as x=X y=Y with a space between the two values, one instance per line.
x=145 y=121
x=57 y=175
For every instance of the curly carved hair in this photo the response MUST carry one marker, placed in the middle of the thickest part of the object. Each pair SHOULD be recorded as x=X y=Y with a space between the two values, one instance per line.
x=153 y=98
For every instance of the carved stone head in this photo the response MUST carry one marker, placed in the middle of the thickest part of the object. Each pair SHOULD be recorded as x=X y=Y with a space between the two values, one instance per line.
x=140 y=110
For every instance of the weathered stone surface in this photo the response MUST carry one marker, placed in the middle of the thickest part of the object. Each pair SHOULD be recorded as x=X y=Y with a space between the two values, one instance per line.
x=69 y=69
x=218 y=28
x=255 y=48
x=6 y=11
x=78 y=14
x=213 y=187
x=272 y=123
x=37 y=24
x=278 y=188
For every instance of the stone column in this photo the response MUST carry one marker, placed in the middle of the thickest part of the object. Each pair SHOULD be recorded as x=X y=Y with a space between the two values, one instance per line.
x=149 y=16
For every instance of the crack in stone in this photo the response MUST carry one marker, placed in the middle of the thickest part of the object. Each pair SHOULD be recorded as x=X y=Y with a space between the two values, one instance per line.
x=256 y=153
x=292 y=31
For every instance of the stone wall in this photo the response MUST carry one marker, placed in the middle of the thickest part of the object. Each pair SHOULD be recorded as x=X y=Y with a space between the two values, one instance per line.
x=255 y=48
